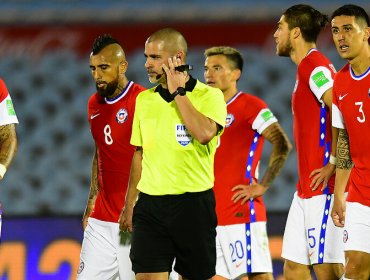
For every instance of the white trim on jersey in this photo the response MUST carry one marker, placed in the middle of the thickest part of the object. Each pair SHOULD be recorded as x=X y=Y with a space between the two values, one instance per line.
x=359 y=77
x=233 y=98
x=337 y=117
x=319 y=90
x=123 y=94
x=260 y=124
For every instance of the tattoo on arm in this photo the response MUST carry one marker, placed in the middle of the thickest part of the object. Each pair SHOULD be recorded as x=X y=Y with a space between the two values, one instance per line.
x=281 y=147
x=94 y=187
x=344 y=160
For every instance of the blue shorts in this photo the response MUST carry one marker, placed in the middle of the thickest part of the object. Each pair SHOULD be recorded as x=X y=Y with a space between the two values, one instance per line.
x=175 y=227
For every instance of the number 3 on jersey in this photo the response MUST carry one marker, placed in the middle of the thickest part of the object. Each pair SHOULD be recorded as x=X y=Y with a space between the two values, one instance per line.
x=107 y=135
x=361 y=119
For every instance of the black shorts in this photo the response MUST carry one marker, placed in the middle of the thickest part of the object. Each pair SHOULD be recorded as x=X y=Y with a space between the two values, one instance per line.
x=181 y=227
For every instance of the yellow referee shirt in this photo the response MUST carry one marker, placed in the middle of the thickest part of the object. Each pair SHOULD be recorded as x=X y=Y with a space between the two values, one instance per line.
x=173 y=161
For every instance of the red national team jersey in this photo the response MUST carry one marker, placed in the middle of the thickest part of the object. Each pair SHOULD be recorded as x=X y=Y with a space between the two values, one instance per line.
x=238 y=156
x=351 y=110
x=3 y=91
x=111 y=124
x=7 y=112
x=311 y=120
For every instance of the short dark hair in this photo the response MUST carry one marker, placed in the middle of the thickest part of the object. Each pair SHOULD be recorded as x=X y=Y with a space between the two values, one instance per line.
x=102 y=41
x=231 y=54
x=352 y=10
x=308 y=19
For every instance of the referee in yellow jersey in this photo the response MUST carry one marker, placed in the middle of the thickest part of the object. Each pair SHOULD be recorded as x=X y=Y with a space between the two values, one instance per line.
x=175 y=129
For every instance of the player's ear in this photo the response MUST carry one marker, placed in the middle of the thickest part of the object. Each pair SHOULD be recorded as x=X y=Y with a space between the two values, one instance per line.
x=236 y=74
x=181 y=55
x=367 y=34
x=296 y=32
x=123 y=67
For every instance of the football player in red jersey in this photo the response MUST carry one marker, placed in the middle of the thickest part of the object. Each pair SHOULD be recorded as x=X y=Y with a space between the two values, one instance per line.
x=241 y=242
x=350 y=27
x=8 y=136
x=104 y=255
x=310 y=238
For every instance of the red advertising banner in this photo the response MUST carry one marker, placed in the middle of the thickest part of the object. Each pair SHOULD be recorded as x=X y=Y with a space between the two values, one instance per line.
x=35 y=40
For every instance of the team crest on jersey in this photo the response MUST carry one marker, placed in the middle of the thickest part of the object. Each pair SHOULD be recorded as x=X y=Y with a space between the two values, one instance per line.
x=368 y=93
x=183 y=137
x=345 y=236
x=81 y=267
x=121 y=115
x=229 y=119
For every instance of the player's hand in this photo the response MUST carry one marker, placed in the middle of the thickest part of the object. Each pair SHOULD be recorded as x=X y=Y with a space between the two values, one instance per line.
x=338 y=212
x=243 y=193
x=175 y=78
x=125 y=219
x=321 y=175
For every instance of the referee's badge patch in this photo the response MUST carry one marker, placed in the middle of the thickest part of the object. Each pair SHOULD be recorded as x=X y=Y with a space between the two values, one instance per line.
x=229 y=119
x=183 y=137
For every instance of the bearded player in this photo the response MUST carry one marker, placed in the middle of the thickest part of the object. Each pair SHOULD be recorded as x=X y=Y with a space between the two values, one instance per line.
x=104 y=254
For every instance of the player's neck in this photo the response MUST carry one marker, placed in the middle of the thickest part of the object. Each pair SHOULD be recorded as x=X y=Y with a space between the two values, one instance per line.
x=122 y=83
x=361 y=63
x=301 y=50
x=230 y=93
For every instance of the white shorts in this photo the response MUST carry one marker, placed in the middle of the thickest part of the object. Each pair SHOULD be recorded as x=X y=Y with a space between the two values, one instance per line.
x=310 y=235
x=242 y=249
x=102 y=256
x=356 y=235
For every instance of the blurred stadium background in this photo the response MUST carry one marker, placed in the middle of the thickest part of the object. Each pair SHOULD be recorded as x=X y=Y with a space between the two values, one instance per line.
x=44 y=60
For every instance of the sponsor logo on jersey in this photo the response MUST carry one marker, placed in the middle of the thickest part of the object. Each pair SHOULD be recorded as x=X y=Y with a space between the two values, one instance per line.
x=121 y=115
x=10 y=108
x=267 y=115
x=183 y=137
x=342 y=96
x=229 y=119
x=93 y=116
x=320 y=79
x=80 y=267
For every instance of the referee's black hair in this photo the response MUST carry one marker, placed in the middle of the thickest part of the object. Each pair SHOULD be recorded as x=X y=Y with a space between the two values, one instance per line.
x=102 y=41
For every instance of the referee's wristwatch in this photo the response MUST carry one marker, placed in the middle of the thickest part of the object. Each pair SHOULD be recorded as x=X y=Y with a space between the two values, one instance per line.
x=179 y=91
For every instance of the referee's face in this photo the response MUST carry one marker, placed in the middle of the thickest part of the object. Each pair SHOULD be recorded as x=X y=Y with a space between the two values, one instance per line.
x=156 y=55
